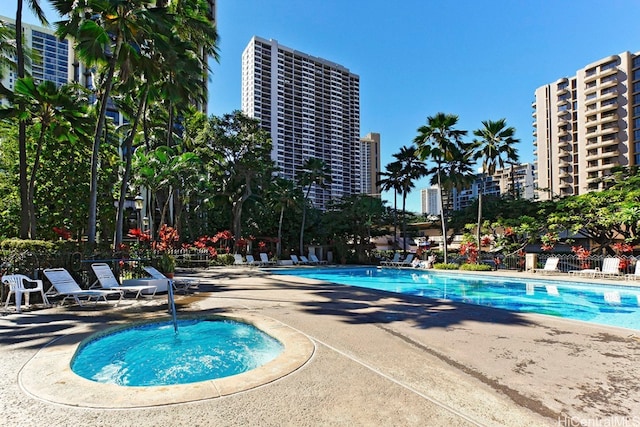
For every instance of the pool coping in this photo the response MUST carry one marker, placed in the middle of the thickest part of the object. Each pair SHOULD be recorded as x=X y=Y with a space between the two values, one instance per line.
x=48 y=376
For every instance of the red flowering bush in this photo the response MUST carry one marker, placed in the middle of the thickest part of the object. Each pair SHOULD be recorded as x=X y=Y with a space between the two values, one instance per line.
x=471 y=251
x=549 y=240
x=582 y=255
x=62 y=232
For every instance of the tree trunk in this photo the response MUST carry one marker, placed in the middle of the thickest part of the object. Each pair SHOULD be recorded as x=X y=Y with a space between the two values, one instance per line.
x=279 y=243
x=32 y=184
x=128 y=154
x=93 y=188
x=443 y=218
x=25 y=215
x=479 y=227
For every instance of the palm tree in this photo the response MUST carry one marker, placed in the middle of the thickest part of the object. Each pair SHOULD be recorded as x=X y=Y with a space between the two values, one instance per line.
x=34 y=5
x=495 y=147
x=411 y=168
x=283 y=195
x=440 y=142
x=314 y=172
x=393 y=182
x=58 y=114
x=108 y=34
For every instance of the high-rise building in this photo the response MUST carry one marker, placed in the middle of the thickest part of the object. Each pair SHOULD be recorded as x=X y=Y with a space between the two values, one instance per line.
x=370 y=155
x=311 y=108
x=516 y=180
x=430 y=200
x=586 y=124
x=53 y=59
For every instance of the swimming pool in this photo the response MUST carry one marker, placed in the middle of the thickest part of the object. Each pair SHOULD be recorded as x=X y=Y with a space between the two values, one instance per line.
x=602 y=304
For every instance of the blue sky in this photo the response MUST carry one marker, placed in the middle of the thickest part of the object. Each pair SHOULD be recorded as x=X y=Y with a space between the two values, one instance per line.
x=481 y=60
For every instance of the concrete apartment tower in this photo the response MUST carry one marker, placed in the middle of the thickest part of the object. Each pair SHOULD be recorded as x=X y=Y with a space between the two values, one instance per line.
x=370 y=155
x=311 y=108
x=586 y=124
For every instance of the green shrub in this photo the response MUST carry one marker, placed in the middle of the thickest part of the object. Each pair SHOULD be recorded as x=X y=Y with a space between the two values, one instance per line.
x=225 y=259
x=443 y=266
x=475 y=267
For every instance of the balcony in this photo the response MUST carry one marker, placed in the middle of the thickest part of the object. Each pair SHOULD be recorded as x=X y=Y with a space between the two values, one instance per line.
x=610 y=154
x=564 y=145
x=608 y=107
x=562 y=101
x=608 y=72
x=609 y=83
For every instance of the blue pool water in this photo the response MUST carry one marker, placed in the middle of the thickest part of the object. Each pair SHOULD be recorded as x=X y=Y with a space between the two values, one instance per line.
x=602 y=304
x=152 y=354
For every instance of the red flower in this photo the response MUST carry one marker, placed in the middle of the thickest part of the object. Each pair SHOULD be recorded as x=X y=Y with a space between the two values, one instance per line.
x=62 y=232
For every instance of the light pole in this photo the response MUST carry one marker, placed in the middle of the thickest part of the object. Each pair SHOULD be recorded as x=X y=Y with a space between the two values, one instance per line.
x=138 y=204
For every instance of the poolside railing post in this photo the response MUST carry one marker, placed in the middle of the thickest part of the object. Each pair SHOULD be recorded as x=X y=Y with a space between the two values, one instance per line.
x=172 y=305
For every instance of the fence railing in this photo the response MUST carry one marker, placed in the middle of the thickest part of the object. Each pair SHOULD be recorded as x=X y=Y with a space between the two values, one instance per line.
x=566 y=263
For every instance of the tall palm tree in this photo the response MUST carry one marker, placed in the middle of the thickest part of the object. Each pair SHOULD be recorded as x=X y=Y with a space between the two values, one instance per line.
x=411 y=169
x=35 y=7
x=108 y=34
x=314 y=172
x=58 y=114
x=393 y=182
x=494 y=147
x=440 y=142
x=283 y=195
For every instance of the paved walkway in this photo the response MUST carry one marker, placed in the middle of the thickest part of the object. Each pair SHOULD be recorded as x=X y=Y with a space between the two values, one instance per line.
x=377 y=359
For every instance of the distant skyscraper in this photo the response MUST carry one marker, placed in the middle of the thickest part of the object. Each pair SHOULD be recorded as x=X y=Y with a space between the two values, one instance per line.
x=370 y=155
x=586 y=124
x=53 y=60
x=430 y=200
x=516 y=180
x=311 y=108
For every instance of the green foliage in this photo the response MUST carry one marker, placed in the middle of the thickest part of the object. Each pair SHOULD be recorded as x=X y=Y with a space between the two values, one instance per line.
x=448 y=266
x=475 y=267
x=225 y=259
x=24 y=256
x=167 y=263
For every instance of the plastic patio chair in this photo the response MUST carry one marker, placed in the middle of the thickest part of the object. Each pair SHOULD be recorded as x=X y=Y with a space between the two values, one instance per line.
x=17 y=287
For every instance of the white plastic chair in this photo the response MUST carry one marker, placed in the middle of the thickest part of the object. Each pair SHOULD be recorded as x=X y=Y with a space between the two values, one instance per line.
x=16 y=287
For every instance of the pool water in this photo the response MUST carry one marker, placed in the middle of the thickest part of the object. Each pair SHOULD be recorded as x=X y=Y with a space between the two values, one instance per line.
x=602 y=304
x=152 y=354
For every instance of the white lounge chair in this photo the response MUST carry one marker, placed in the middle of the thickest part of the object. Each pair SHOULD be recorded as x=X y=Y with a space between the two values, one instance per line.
x=294 y=259
x=635 y=275
x=550 y=266
x=404 y=263
x=238 y=260
x=251 y=261
x=178 y=284
x=394 y=260
x=586 y=272
x=315 y=260
x=305 y=260
x=106 y=280
x=63 y=284
x=264 y=259
x=610 y=267
x=17 y=287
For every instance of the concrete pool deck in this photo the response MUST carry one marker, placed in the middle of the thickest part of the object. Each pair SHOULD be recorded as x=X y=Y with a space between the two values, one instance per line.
x=378 y=359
